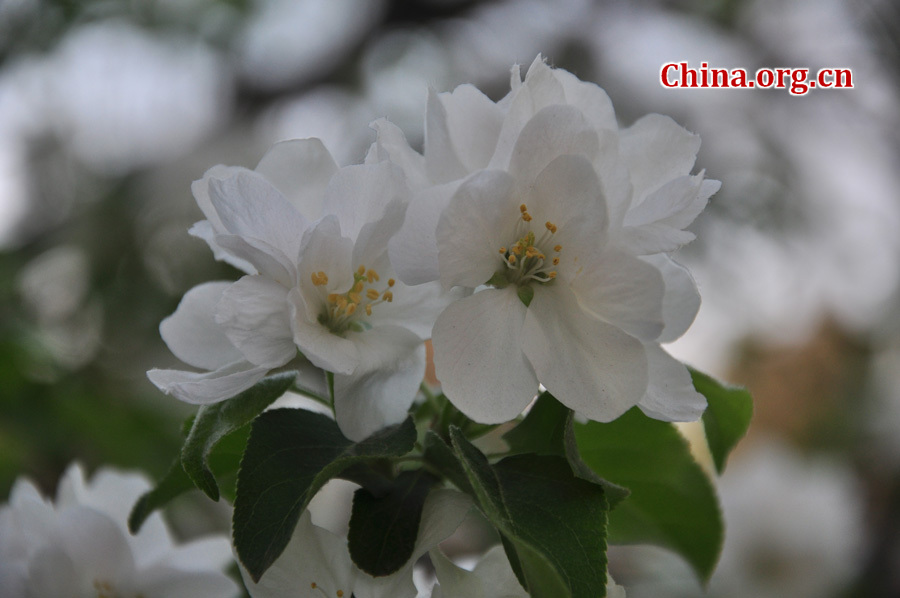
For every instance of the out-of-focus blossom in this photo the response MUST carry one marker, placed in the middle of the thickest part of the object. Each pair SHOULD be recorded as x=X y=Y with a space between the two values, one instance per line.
x=795 y=525
x=317 y=561
x=288 y=42
x=124 y=98
x=80 y=546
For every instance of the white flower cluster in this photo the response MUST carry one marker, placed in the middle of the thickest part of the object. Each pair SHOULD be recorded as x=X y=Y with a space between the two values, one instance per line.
x=80 y=546
x=530 y=240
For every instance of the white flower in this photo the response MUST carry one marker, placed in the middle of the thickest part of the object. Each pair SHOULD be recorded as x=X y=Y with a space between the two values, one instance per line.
x=313 y=241
x=81 y=545
x=569 y=220
x=317 y=562
x=492 y=577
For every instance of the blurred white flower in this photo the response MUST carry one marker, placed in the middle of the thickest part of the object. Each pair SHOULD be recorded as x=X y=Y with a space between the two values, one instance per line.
x=795 y=525
x=286 y=42
x=569 y=219
x=317 y=561
x=313 y=240
x=124 y=98
x=80 y=546
x=492 y=577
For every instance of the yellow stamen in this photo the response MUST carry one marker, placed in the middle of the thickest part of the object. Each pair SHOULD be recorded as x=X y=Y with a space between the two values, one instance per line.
x=358 y=287
x=355 y=297
x=551 y=274
x=388 y=296
x=551 y=227
x=361 y=271
x=372 y=276
x=340 y=593
x=319 y=278
x=391 y=282
x=526 y=217
x=372 y=294
x=523 y=208
x=368 y=309
x=558 y=248
x=503 y=250
x=512 y=260
x=351 y=309
x=556 y=261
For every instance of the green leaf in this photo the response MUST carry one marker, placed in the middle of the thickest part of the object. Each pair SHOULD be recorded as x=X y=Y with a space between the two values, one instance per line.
x=547 y=430
x=727 y=416
x=542 y=431
x=526 y=294
x=291 y=454
x=224 y=459
x=440 y=456
x=173 y=484
x=672 y=504
x=214 y=421
x=553 y=522
x=383 y=528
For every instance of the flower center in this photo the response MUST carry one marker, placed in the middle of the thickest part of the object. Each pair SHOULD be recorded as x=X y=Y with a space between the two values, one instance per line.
x=526 y=260
x=343 y=311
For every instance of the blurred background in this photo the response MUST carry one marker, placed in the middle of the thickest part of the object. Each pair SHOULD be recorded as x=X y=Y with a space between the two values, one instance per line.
x=109 y=109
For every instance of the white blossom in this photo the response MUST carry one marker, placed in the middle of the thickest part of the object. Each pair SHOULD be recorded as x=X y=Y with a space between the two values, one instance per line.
x=317 y=561
x=492 y=577
x=569 y=221
x=312 y=239
x=80 y=546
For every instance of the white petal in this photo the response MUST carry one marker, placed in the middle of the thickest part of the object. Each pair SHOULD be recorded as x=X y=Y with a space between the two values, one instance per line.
x=313 y=555
x=589 y=98
x=390 y=144
x=442 y=164
x=212 y=553
x=263 y=257
x=539 y=90
x=204 y=230
x=463 y=131
x=326 y=250
x=588 y=365
x=657 y=150
x=200 y=189
x=171 y=582
x=416 y=308
x=300 y=169
x=478 y=356
x=372 y=242
x=414 y=250
x=251 y=207
x=624 y=291
x=192 y=334
x=681 y=301
x=319 y=345
x=656 y=224
x=554 y=131
x=366 y=403
x=568 y=194
x=208 y=387
x=96 y=544
x=670 y=392
x=360 y=194
x=255 y=314
x=479 y=220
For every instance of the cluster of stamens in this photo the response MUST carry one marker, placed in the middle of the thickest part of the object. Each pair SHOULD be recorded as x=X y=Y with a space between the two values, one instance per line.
x=340 y=308
x=525 y=258
x=315 y=586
